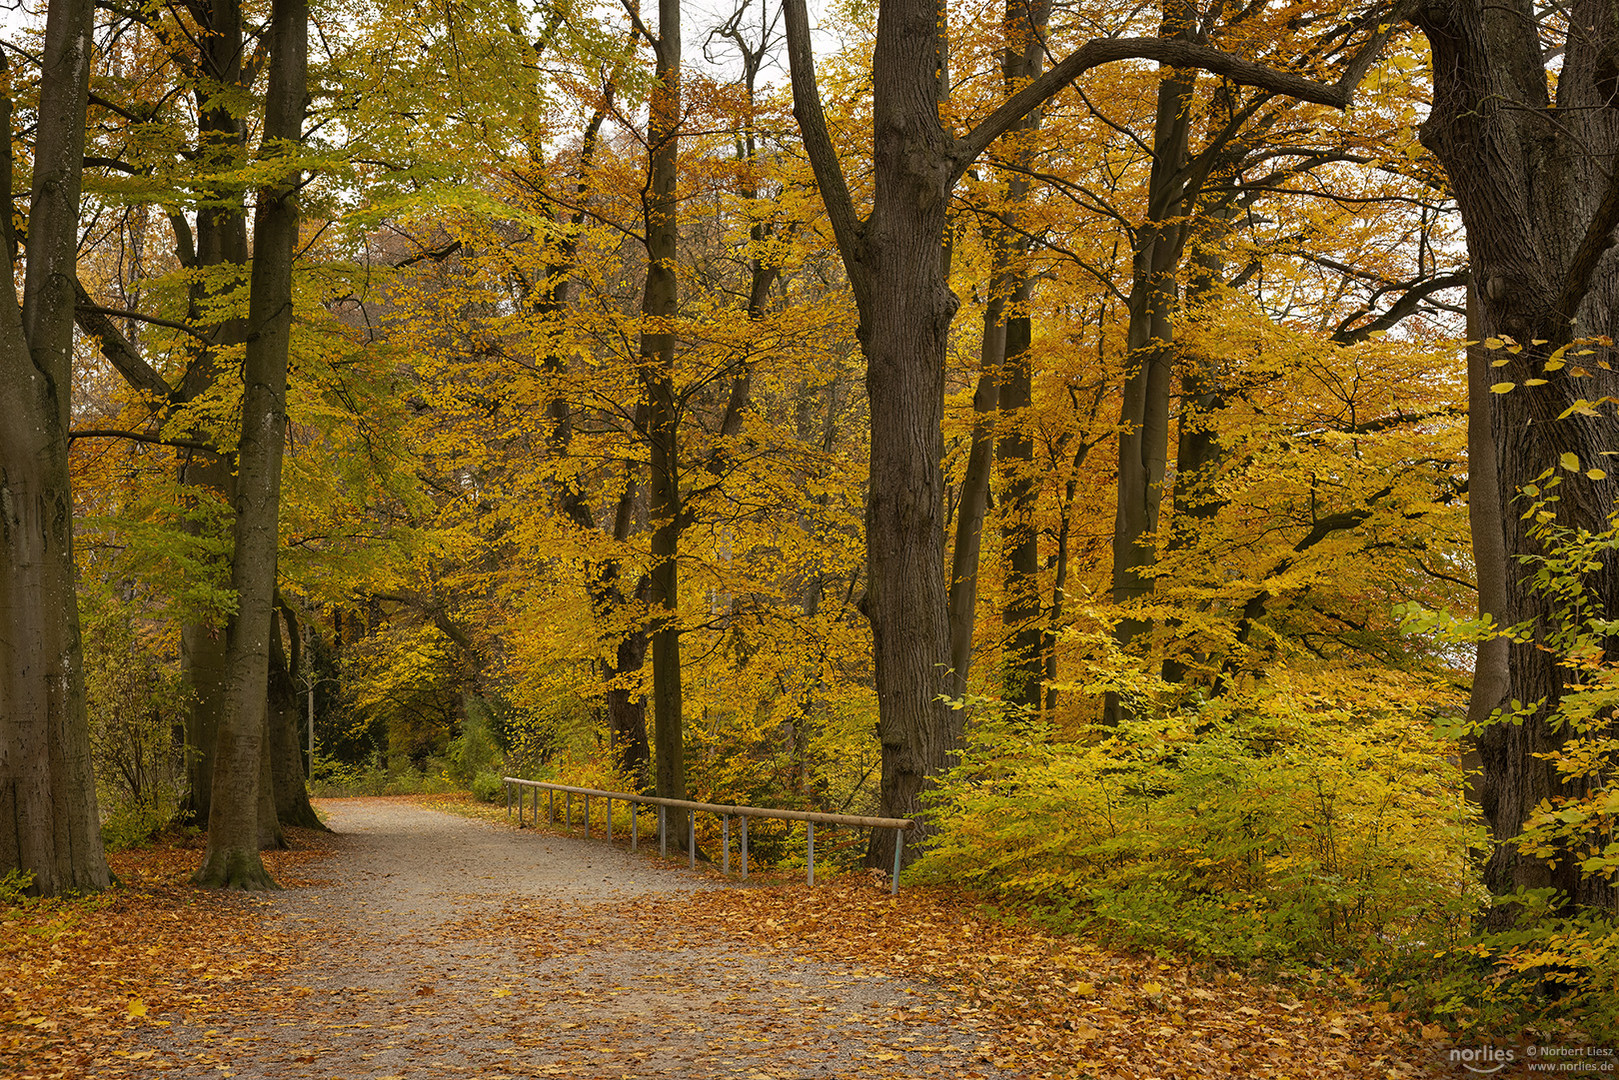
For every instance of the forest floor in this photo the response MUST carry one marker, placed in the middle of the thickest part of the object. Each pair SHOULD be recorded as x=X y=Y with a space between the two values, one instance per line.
x=418 y=943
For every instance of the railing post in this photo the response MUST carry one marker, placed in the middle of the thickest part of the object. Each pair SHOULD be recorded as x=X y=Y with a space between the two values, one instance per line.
x=811 y=860
x=725 y=844
x=691 y=839
x=507 y=784
x=663 y=833
x=744 y=847
x=635 y=822
x=550 y=806
x=899 y=848
x=587 y=817
x=609 y=819
x=567 y=810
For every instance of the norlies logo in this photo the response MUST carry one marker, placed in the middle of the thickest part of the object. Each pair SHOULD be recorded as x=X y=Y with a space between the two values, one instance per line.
x=1483 y=1059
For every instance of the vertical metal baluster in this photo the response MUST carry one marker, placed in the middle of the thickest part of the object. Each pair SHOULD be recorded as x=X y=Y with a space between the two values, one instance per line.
x=811 y=825
x=725 y=844
x=899 y=847
x=663 y=833
x=744 y=847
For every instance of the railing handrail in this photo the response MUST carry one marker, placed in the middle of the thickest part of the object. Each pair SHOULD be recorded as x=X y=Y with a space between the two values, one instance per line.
x=722 y=809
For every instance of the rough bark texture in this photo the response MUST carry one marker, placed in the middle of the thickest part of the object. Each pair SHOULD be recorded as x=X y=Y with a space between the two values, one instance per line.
x=1536 y=178
x=49 y=825
x=241 y=756
x=658 y=307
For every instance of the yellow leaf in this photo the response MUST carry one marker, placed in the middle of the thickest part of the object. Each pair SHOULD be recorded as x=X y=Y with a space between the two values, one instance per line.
x=1570 y=461
x=1596 y=474
x=1502 y=387
x=1493 y=343
x=136 y=1008
x=502 y=992
x=1534 y=382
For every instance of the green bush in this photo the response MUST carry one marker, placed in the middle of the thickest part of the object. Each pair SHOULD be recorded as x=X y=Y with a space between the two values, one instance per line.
x=132 y=822
x=14 y=886
x=1272 y=824
x=487 y=787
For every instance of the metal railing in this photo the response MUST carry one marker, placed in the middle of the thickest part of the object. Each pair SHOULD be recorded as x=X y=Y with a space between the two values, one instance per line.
x=726 y=813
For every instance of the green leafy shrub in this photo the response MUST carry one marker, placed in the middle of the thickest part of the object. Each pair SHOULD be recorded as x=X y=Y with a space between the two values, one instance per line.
x=488 y=787
x=1274 y=823
x=14 y=886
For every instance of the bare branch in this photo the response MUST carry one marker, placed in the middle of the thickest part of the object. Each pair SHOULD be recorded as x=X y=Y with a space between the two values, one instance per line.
x=846 y=225
x=1173 y=53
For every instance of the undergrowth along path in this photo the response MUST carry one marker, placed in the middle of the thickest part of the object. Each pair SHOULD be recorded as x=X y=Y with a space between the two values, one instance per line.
x=416 y=943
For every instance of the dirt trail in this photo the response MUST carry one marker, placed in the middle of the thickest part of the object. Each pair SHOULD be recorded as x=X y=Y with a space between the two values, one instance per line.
x=440 y=946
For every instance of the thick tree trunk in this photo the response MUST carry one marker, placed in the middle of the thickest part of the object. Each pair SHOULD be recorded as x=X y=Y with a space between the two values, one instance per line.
x=49 y=826
x=232 y=859
x=658 y=307
x=905 y=318
x=1536 y=177
x=220 y=243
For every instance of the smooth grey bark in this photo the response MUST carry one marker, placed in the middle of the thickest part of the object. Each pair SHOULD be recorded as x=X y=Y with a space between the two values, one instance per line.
x=241 y=755
x=287 y=778
x=1143 y=446
x=1023 y=666
x=220 y=242
x=1535 y=173
x=973 y=503
x=49 y=825
x=1491 y=671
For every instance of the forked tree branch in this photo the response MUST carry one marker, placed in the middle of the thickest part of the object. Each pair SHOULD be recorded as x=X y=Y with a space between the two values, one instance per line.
x=840 y=212
x=1599 y=237
x=1170 y=53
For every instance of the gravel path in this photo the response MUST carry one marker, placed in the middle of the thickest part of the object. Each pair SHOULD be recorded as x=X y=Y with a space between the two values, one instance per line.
x=444 y=947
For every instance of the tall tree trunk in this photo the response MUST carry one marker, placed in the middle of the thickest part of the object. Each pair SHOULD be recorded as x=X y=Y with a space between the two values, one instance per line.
x=1536 y=177
x=1149 y=342
x=1023 y=667
x=49 y=826
x=896 y=264
x=974 y=501
x=232 y=859
x=658 y=308
x=219 y=245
